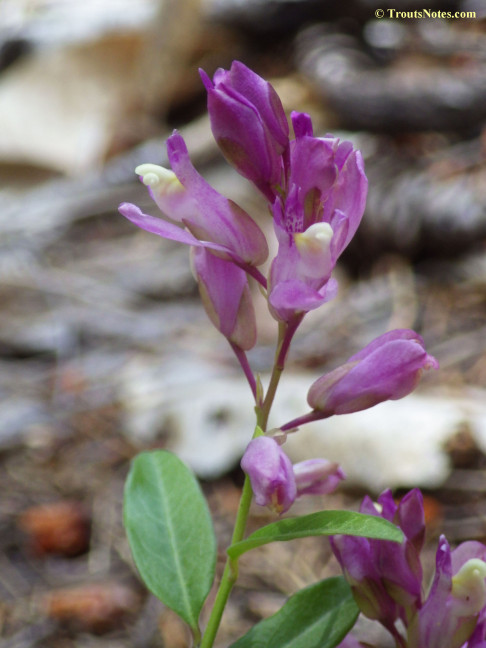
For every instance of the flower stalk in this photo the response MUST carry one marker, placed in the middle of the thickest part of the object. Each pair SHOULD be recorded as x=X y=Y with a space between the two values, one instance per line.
x=316 y=192
x=245 y=365
x=230 y=572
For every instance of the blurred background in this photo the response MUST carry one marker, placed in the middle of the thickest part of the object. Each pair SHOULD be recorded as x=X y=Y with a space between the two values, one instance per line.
x=105 y=349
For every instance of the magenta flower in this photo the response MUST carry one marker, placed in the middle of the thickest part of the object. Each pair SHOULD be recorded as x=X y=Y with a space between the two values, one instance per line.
x=211 y=220
x=386 y=578
x=271 y=474
x=317 y=476
x=249 y=125
x=478 y=637
x=276 y=483
x=226 y=297
x=388 y=368
x=324 y=203
x=350 y=642
x=456 y=601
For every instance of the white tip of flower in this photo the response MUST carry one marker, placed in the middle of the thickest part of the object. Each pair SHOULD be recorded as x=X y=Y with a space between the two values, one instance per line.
x=314 y=246
x=469 y=587
x=155 y=176
x=315 y=239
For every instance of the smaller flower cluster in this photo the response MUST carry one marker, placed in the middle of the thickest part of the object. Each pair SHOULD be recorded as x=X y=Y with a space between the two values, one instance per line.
x=388 y=368
x=316 y=193
x=277 y=483
x=387 y=581
x=316 y=190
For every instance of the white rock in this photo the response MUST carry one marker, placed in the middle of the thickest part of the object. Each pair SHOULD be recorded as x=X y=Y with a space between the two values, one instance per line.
x=397 y=443
x=209 y=413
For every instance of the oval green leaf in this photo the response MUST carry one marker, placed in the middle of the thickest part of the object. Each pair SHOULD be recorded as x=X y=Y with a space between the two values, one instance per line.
x=170 y=532
x=319 y=616
x=321 y=523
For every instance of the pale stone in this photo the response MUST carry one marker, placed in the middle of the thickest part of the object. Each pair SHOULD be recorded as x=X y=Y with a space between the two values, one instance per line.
x=208 y=415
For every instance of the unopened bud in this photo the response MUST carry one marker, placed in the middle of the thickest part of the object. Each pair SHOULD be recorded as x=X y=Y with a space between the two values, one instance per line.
x=317 y=477
x=271 y=475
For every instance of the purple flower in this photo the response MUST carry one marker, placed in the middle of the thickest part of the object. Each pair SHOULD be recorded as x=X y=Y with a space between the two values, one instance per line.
x=271 y=474
x=478 y=637
x=211 y=220
x=317 y=476
x=350 y=642
x=456 y=601
x=276 y=483
x=249 y=125
x=226 y=297
x=386 y=369
x=325 y=200
x=386 y=578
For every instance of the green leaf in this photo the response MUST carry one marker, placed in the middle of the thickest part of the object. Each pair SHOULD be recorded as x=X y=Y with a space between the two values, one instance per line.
x=319 y=616
x=321 y=523
x=170 y=532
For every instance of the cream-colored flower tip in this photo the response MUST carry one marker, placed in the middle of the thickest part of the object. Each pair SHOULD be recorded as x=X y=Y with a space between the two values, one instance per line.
x=155 y=176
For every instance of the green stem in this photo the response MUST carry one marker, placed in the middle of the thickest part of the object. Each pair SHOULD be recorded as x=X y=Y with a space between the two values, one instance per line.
x=264 y=410
x=230 y=573
x=196 y=636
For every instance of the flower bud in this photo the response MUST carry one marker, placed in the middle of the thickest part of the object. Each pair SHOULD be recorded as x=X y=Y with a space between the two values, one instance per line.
x=276 y=483
x=271 y=474
x=317 y=477
x=386 y=577
x=249 y=124
x=355 y=555
x=387 y=369
x=226 y=297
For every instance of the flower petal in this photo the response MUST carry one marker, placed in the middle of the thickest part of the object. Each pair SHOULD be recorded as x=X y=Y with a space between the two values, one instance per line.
x=164 y=229
x=271 y=474
x=249 y=124
x=217 y=219
x=386 y=369
x=226 y=297
x=294 y=296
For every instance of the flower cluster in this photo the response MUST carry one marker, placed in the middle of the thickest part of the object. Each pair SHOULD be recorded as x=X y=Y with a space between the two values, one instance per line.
x=316 y=190
x=386 y=581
